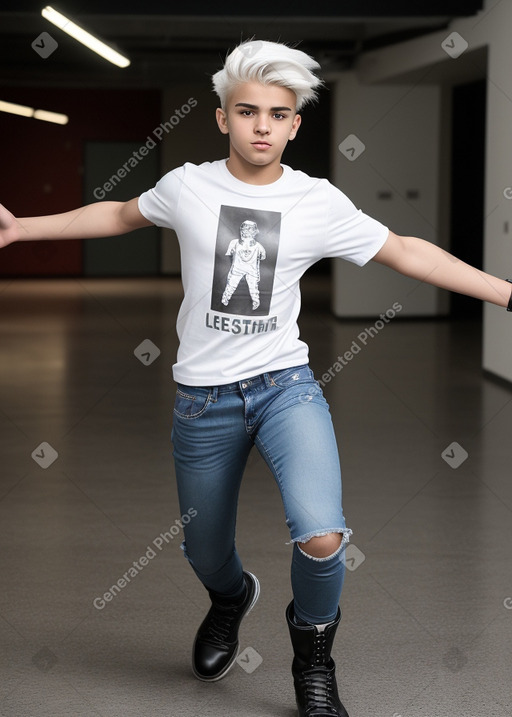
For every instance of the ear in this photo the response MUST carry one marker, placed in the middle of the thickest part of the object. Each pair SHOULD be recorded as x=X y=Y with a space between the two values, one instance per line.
x=295 y=127
x=222 y=120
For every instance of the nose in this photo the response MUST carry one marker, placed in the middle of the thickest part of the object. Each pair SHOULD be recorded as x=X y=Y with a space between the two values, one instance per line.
x=262 y=125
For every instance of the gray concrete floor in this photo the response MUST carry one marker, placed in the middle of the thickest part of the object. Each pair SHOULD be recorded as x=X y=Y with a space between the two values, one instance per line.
x=426 y=447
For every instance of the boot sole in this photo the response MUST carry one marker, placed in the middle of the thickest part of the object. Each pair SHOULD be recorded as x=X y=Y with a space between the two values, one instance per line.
x=245 y=613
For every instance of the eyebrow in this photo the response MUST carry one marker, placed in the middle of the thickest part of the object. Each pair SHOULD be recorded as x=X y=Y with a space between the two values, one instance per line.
x=255 y=107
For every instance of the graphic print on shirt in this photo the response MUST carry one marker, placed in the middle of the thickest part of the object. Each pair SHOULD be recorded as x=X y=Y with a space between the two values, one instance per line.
x=245 y=261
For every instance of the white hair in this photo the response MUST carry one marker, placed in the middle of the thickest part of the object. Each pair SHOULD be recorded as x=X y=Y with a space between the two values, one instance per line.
x=270 y=63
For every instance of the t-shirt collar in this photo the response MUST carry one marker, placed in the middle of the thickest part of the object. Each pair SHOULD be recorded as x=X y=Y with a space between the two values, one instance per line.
x=253 y=188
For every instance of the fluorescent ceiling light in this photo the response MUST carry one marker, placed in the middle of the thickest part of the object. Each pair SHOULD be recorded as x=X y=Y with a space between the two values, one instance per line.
x=78 y=33
x=16 y=109
x=50 y=117
x=24 y=111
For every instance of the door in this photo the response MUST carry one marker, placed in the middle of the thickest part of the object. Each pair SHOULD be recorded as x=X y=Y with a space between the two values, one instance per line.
x=118 y=171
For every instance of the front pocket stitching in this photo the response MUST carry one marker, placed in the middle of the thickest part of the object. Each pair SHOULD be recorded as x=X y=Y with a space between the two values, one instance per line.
x=194 y=415
x=185 y=395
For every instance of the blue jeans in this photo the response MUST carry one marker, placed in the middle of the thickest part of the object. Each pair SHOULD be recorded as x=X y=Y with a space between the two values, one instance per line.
x=285 y=414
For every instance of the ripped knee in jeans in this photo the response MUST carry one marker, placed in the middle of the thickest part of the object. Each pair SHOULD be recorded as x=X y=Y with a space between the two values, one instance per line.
x=324 y=545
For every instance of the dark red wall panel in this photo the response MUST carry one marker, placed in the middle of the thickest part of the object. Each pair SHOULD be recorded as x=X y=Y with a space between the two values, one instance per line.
x=41 y=164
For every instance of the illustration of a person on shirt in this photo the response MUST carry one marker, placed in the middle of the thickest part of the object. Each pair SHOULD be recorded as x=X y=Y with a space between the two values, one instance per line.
x=246 y=254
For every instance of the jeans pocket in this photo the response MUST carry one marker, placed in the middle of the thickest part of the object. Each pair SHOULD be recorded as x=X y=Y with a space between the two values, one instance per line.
x=191 y=402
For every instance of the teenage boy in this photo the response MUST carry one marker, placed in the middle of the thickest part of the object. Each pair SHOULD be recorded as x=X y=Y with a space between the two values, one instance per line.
x=242 y=373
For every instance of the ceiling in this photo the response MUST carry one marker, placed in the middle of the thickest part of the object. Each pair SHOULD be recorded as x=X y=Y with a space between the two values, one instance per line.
x=167 y=43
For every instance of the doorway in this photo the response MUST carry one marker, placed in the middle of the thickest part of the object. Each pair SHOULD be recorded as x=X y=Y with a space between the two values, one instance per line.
x=136 y=253
x=467 y=185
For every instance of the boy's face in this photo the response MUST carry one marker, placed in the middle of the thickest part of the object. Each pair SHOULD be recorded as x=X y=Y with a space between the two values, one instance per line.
x=260 y=120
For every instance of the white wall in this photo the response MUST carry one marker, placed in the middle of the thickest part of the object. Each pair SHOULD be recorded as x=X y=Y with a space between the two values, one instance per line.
x=425 y=60
x=399 y=127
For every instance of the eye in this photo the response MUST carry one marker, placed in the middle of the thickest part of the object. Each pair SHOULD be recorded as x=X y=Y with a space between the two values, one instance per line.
x=246 y=113
x=279 y=116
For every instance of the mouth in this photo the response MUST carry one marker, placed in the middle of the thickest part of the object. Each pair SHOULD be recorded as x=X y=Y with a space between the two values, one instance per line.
x=261 y=145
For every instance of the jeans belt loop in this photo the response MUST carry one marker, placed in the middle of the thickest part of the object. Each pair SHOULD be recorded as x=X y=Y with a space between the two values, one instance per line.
x=269 y=380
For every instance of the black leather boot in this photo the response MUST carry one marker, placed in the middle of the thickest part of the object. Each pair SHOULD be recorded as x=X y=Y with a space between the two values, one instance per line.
x=216 y=644
x=313 y=668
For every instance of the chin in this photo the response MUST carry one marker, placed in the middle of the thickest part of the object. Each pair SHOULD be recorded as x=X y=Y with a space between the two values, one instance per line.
x=261 y=159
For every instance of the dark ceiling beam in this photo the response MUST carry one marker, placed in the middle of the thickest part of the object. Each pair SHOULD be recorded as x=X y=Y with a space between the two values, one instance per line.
x=164 y=46
x=272 y=8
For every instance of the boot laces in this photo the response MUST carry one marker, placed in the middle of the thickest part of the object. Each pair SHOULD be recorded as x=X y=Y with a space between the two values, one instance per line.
x=317 y=685
x=317 y=682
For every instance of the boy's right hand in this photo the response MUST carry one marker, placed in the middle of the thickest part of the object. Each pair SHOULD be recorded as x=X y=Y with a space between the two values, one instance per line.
x=9 y=227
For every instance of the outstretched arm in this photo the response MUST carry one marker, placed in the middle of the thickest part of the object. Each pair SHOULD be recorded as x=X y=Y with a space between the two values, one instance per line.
x=94 y=220
x=420 y=259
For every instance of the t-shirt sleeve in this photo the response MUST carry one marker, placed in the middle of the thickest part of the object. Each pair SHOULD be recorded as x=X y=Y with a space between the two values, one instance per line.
x=159 y=204
x=351 y=234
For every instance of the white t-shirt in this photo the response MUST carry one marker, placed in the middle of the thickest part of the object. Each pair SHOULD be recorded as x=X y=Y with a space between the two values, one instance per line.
x=244 y=248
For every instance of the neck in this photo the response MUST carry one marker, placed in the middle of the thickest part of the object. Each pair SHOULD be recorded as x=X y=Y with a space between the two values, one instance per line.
x=254 y=174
